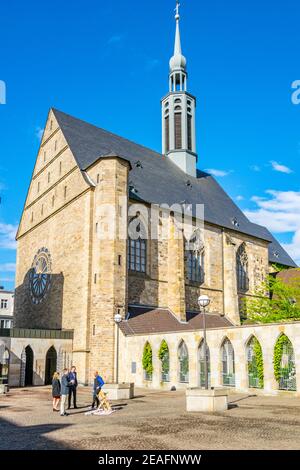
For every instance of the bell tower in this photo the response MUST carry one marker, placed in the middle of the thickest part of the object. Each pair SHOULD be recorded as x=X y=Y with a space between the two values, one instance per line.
x=178 y=112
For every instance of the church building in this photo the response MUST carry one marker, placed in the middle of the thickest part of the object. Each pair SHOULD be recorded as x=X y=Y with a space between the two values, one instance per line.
x=78 y=265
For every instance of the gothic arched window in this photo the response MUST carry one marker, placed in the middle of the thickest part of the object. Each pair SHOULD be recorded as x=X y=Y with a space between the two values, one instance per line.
x=195 y=265
x=137 y=249
x=195 y=259
x=228 y=363
x=183 y=358
x=242 y=268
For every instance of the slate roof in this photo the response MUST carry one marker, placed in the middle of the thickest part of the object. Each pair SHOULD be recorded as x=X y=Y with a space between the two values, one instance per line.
x=151 y=320
x=156 y=179
x=277 y=253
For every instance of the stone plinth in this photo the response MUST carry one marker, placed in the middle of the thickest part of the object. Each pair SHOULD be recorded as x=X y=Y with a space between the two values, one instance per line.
x=3 y=389
x=209 y=401
x=121 y=391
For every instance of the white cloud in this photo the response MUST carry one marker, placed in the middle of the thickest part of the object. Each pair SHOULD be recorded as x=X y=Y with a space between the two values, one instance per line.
x=240 y=198
x=281 y=168
x=279 y=211
x=219 y=173
x=294 y=248
x=255 y=168
x=7 y=236
x=7 y=268
x=39 y=132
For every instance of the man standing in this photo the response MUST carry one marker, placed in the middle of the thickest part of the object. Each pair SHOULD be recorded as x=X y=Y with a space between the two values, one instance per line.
x=72 y=387
x=98 y=384
x=64 y=392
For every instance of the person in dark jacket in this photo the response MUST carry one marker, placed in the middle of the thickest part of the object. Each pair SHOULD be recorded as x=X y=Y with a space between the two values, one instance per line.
x=64 y=392
x=98 y=384
x=73 y=383
x=55 y=391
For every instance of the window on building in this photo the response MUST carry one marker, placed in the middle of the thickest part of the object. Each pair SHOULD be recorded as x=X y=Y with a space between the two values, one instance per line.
x=195 y=266
x=38 y=187
x=6 y=324
x=49 y=177
x=189 y=131
x=137 y=255
x=60 y=167
x=55 y=146
x=178 y=131
x=137 y=248
x=53 y=201
x=242 y=269
x=167 y=133
x=65 y=191
x=4 y=303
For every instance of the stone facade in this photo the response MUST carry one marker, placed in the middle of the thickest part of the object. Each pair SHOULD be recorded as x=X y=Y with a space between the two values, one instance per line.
x=131 y=351
x=81 y=217
x=17 y=362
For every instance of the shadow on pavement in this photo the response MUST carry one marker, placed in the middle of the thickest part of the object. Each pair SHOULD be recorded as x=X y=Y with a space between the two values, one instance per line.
x=14 y=437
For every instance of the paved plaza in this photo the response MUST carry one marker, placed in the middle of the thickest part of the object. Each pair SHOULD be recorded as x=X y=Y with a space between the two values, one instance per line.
x=153 y=420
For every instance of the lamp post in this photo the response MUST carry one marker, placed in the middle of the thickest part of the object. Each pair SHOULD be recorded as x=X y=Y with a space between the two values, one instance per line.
x=118 y=320
x=203 y=302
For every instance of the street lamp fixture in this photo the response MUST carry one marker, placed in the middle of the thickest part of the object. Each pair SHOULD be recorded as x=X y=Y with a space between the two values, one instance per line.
x=118 y=319
x=203 y=302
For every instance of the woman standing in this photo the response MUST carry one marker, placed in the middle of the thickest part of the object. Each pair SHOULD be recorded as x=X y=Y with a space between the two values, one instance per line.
x=56 y=391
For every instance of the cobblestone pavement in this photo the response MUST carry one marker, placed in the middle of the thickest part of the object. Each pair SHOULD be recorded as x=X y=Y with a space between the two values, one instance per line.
x=153 y=420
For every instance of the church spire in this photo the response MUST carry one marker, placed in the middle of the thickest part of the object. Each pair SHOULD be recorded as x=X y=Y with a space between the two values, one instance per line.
x=178 y=61
x=178 y=112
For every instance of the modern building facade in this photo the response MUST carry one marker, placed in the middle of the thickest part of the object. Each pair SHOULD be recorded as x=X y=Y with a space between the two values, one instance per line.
x=101 y=233
x=6 y=309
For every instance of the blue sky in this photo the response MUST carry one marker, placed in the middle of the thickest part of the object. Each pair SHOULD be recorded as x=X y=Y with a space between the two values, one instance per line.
x=107 y=63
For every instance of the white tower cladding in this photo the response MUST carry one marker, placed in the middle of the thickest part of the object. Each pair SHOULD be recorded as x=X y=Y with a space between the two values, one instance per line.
x=178 y=112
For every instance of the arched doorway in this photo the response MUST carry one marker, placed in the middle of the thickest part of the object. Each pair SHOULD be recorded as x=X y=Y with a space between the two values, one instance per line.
x=51 y=365
x=201 y=364
x=183 y=358
x=255 y=364
x=147 y=362
x=28 y=366
x=164 y=356
x=228 y=364
x=284 y=364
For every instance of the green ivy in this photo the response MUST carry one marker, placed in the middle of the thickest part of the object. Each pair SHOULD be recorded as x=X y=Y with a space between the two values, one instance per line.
x=278 y=351
x=259 y=362
x=163 y=355
x=147 y=359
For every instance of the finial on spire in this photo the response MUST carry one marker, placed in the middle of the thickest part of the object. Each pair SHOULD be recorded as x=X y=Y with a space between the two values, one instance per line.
x=178 y=61
x=177 y=16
